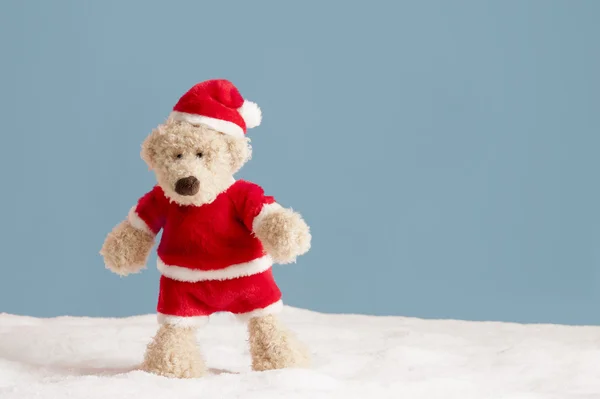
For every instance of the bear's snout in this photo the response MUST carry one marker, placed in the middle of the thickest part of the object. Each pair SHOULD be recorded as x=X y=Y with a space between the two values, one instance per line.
x=187 y=186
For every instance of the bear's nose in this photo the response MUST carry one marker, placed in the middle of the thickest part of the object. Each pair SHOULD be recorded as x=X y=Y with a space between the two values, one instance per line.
x=187 y=186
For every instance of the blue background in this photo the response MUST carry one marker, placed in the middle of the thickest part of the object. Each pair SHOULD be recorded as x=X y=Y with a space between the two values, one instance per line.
x=444 y=153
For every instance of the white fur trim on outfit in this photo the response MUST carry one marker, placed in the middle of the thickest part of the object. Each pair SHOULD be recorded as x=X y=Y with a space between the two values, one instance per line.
x=199 y=321
x=136 y=221
x=179 y=273
x=179 y=321
x=267 y=209
x=219 y=125
x=273 y=308
x=251 y=113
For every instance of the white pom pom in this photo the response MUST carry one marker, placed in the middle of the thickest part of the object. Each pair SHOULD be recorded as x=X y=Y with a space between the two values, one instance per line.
x=251 y=113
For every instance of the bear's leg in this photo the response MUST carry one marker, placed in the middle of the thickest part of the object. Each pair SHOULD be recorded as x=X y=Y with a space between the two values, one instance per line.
x=174 y=352
x=272 y=346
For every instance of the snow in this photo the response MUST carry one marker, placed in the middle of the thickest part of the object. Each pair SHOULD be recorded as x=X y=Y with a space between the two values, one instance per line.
x=355 y=356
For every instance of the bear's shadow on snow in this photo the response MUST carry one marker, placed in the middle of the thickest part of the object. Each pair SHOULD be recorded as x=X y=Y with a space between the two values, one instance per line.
x=87 y=370
x=82 y=368
x=29 y=348
x=111 y=371
x=78 y=368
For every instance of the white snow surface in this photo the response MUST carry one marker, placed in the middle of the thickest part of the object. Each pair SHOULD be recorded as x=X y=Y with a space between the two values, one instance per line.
x=354 y=356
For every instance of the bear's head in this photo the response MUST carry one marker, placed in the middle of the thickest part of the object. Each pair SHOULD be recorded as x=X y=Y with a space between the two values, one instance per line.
x=193 y=163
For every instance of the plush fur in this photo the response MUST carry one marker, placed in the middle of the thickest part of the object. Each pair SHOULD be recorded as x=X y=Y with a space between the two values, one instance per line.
x=274 y=347
x=219 y=242
x=284 y=235
x=174 y=352
x=126 y=249
x=222 y=156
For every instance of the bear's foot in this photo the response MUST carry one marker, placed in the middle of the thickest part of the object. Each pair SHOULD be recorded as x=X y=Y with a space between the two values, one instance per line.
x=174 y=353
x=274 y=347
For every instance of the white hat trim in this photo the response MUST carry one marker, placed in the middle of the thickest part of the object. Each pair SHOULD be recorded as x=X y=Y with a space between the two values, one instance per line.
x=251 y=113
x=219 y=125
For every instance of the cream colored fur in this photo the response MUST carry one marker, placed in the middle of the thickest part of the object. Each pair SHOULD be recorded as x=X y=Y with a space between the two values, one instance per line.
x=222 y=156
x=284 y=234
x=174 y=352
x=274 y=347
x=126 y=249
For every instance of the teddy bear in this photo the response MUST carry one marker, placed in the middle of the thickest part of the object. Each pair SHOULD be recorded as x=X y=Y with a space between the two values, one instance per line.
x=220 y=236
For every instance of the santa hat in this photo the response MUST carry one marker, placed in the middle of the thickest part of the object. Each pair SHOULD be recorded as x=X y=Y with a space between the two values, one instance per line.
x=219 y=105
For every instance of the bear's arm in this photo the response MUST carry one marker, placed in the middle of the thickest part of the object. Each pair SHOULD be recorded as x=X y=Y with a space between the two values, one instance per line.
x=149 y=214
x=282 y=232
x=128 y=245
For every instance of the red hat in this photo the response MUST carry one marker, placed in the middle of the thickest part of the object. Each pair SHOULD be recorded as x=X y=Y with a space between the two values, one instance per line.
x=219 y=105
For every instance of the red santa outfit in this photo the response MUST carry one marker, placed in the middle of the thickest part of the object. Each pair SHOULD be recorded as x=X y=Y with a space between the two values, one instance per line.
x=209 y=257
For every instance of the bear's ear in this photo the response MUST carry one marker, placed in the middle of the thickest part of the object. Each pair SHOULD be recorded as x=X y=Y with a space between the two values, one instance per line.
x=239 y=150
x=149 y=149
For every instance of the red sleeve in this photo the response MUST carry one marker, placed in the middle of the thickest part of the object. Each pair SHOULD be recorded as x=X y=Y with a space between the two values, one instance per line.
x=150 y=210
x=249 y=200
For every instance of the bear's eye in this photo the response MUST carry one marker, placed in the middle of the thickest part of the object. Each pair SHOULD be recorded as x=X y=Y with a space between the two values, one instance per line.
x=179 y=156
x=199 y=154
